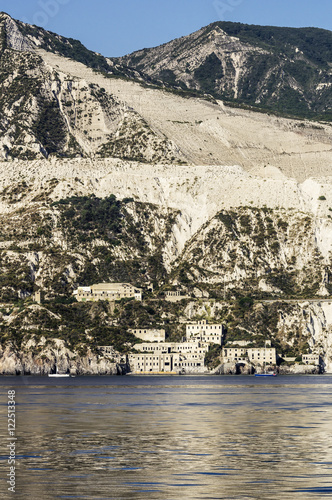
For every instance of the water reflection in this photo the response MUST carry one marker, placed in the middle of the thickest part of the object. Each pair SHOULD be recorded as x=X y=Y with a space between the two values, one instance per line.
x=172 y=437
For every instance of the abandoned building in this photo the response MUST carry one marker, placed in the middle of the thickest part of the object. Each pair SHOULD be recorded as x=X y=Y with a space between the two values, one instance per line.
x=107 y=291
x=188 y=356
x=202 y=330
x=253 y=354
x=174 y=296
x=149 y=334
x=311 y=359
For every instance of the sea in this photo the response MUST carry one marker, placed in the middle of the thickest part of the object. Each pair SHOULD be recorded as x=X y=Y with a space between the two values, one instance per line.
x=168 y=437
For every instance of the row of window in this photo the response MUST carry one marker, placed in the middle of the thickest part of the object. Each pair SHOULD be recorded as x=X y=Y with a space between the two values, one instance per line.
x=202 y=327
x=167 y=364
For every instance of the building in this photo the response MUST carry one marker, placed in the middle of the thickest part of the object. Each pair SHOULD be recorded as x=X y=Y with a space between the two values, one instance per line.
x=310 y=359
x=255 y=355
x=174 y=296
x=149 y=334
x=202 y=330
x=169 y=357
x=266 y=355
x=158 y=356
x=166 y=363
x=109 y=352
x=107 y=291
x=195 y=347
x=37 y=297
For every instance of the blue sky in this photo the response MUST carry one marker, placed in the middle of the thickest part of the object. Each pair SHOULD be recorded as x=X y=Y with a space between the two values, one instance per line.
x=117 y=27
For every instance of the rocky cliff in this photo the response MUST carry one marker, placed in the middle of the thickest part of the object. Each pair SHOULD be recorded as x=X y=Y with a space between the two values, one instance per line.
x=45 y=357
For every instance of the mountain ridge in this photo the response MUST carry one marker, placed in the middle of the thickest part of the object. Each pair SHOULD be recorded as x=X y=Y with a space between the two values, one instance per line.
x=248 y=64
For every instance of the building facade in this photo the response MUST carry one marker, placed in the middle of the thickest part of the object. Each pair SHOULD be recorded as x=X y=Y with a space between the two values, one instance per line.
x=202 y=330
x=310 y=359
x=107 y=291
x=174 y=296
x=110 y=353
x=158 y=356
x=195 y=347
x=166 y=363
x=255 y=355
x=149 y=334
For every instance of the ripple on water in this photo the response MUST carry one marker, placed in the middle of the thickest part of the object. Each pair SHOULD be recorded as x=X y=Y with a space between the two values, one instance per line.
x=201 y=438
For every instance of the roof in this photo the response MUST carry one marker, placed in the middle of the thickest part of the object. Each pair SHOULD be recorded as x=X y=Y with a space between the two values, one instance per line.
x=112 y=286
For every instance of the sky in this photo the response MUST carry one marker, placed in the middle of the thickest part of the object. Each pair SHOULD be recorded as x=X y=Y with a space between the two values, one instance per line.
x=118 y=27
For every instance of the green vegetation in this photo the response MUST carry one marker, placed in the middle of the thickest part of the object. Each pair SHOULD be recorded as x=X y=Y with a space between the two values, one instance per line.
x=68 y=322
x=68 y=47
x=251 y=241
x=92 y=239
x=212 y=357
x=209 y=73
x=91 y=217
x=314 y=42
x=50 y=127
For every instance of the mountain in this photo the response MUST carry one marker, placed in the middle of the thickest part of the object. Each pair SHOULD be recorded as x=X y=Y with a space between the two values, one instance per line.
x=109 y=174
x=65 y=101
x=285 y=70
x=45 y=112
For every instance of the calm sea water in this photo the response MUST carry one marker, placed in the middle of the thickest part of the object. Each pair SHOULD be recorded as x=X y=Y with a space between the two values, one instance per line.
x=170 y=438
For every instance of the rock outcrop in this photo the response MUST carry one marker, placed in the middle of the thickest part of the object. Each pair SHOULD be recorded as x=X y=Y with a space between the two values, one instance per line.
x=43 y=358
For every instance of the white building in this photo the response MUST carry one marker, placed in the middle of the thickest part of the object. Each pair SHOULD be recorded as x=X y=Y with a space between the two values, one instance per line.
x=175 y=357
x=259 y=355
x=195 y=347
x=169 y=362
x=107 y=291
x=149 y=334
x=202 y=330
x=175 y=296
x=310 y=359
x=110 y=353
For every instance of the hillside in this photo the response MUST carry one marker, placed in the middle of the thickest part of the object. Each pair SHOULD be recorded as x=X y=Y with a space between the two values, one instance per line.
x=56 y=105
x=44 y=112
x=285 y=70
x=107 y=176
